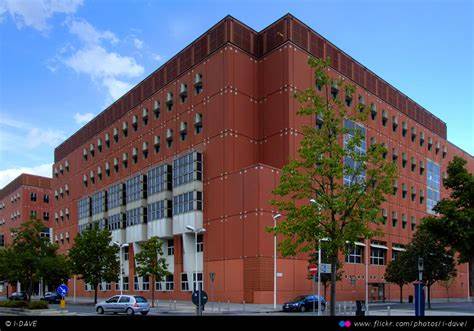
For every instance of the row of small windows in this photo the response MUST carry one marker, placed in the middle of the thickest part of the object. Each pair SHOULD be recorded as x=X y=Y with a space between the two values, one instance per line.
x=385 y=117
x=60 y=169
x=355 y=253
x=394 y=218
x=61 y=237
x=61 y=192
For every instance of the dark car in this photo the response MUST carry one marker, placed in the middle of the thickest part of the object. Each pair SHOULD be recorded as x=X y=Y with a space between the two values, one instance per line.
x=51 y=297
x=304 y=303
x=18 y=296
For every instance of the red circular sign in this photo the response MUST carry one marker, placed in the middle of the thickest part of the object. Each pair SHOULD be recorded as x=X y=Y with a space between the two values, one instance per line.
x=313 y=269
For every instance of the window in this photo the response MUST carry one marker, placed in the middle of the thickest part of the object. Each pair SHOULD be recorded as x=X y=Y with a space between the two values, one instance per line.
x=170 y=247
x=133 y=189
x=378 y=254
x=413 y=223
x=156 y=109
x=198 y=83
x=45 y=216
x=33 y=214
x=169 y=283
x=46 y=198
x=404 y=221
x=124 y=299
x=355 y=174
x=135 y=122
x=184 y=203
x=183 y=92
x=394 y=219
x=135 y=216
x=125 y=283
x=197 y=281
x=114 y=196
x=169 y=137
x=83 y=208
x=169 y=101
x=373 y=111
x=354 y=253
x=146 y=283
x=187 y=168
x=115 y=222
x=348 y=98
x=184 y=282
x=125 y=253
x=200 y=243
x=98 y=202
x=384 y=117
x=159 y=179
x=432 y=185
x=183 y=130
x=33 y=196
x=159 y=210
x=396 y=250
x=334 y=89
x=198 y=123
x=404 y=128
x=136 y=284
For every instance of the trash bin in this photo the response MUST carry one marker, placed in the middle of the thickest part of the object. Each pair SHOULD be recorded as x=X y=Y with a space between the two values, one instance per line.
x=360 y=308
x=410 y=299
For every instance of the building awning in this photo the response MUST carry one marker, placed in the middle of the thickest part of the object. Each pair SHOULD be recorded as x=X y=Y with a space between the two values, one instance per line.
x=357 y=243
x=378 y=246
x=400 y=249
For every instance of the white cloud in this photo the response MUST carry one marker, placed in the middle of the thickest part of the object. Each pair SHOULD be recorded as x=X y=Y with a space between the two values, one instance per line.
x=17 y=135
x=138 y=43
x=88 y=34
x=157 y=57
x=105 y=67
x=35 y=13
x=82 y=119
x=37 y=137
x=7 y=175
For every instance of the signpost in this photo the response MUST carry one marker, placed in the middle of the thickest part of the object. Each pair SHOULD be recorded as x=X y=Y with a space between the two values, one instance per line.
x=199 y=298
x=419 y=291
x=62 y=290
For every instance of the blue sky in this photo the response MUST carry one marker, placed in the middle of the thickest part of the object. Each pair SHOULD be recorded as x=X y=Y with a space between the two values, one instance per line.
x=63 y=61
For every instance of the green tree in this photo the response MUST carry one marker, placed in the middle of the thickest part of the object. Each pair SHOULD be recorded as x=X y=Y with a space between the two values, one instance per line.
x=325 y=278
x=346 y=183
x=25 y=259
x=439 y=263
x=454 y=225
x=397 y=272
x=55 y=270
x=93 y=258
x=150 y=262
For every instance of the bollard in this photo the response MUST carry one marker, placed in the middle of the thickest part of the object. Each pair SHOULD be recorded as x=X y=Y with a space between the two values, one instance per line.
x=243 y=305
x=174 y=304
x=344 y=308
x=228 y=305
x=388 y=311
x=169 y=304
x=218 y=306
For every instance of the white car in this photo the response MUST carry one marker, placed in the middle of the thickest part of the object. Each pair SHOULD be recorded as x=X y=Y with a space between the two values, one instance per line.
x=128 y=304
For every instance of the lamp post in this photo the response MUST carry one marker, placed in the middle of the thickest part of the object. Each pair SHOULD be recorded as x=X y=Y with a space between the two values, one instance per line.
x=196 y=232
x=275 y=217
x=120 y=246
x=313 y=201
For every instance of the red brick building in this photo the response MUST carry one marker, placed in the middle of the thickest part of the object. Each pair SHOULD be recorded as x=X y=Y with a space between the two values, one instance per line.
x=26 y=197
x=201 y=141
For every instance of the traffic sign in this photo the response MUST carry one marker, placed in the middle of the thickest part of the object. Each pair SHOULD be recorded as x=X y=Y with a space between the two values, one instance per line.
x=313 y=269
x=195 y=298
x=325 y=268
x=62 y=290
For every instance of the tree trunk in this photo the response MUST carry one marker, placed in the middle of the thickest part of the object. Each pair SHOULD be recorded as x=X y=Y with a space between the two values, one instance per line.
x=7 y=290
x=429 y=296
x=401 y=293
x=153 y=291
x=333 y=285
x=95 y=292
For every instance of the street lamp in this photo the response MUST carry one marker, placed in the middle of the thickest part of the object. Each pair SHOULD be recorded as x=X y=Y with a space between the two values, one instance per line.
x=196 y=232
x=120 y=246
x=275 y=217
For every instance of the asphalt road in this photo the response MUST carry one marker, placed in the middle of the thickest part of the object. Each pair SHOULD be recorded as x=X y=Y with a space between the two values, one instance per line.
x=447 y=307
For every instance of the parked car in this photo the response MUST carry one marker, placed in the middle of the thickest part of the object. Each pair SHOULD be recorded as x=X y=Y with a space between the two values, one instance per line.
x=304 y=303
x=128 y=304
x=51 y=297
x=18 y=296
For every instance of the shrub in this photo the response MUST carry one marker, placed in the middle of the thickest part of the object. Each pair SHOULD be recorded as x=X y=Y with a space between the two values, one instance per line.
x=41 y=304
x=13 y=304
